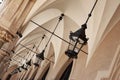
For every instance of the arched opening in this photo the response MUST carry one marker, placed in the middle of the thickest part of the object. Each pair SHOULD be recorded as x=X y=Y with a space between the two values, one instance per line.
x=66 y=73
x=7 y=75
x=45 y=74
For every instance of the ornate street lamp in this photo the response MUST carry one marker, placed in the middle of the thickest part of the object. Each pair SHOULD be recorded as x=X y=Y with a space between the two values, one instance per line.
x=23 y=67
x=26 y=65
x=78 y=39
x=29 y=63
x=40 y=56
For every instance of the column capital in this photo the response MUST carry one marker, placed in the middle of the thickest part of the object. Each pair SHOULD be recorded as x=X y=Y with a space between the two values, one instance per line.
x=5 y=36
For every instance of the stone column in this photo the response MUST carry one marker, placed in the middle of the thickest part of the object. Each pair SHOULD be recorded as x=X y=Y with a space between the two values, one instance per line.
x=4 y=65
x=25 y=77
x=12 y=17
x=2 y=55
x=33 y=73
x=22 y=75
x=15 y=13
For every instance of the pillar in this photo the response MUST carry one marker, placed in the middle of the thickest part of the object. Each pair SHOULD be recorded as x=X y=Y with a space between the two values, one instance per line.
x=33 y=73
x=4 y=66
x=12 y=17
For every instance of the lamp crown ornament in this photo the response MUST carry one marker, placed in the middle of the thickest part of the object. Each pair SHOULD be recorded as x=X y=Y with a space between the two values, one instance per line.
x=80 y=33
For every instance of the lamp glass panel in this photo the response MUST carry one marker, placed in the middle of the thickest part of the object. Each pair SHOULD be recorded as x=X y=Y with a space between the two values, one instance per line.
x=81 y=41
x=26 y=66
x=74 y=47
x=71 y=46
x=75 y=39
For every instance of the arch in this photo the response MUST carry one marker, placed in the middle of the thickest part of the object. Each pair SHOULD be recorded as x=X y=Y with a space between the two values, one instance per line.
x=27 y=73
x=45 y=74
x=6 y=75
x=19 y=49
x=38 y=19
x=41 y=19
x=32 y=37
x=63 y=68
x=66 y=73
x=51 y=51
x=34 y=73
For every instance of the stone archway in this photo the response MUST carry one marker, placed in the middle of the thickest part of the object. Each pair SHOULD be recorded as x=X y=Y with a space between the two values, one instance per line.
x=9 y=70
x=66 y=73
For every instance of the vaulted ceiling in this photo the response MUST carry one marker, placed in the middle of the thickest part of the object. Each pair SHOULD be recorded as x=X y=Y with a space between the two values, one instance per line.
x=46 y=13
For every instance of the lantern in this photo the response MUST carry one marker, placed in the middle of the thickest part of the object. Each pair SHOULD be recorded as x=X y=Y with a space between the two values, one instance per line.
x=78 y=40
x=39 y=58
